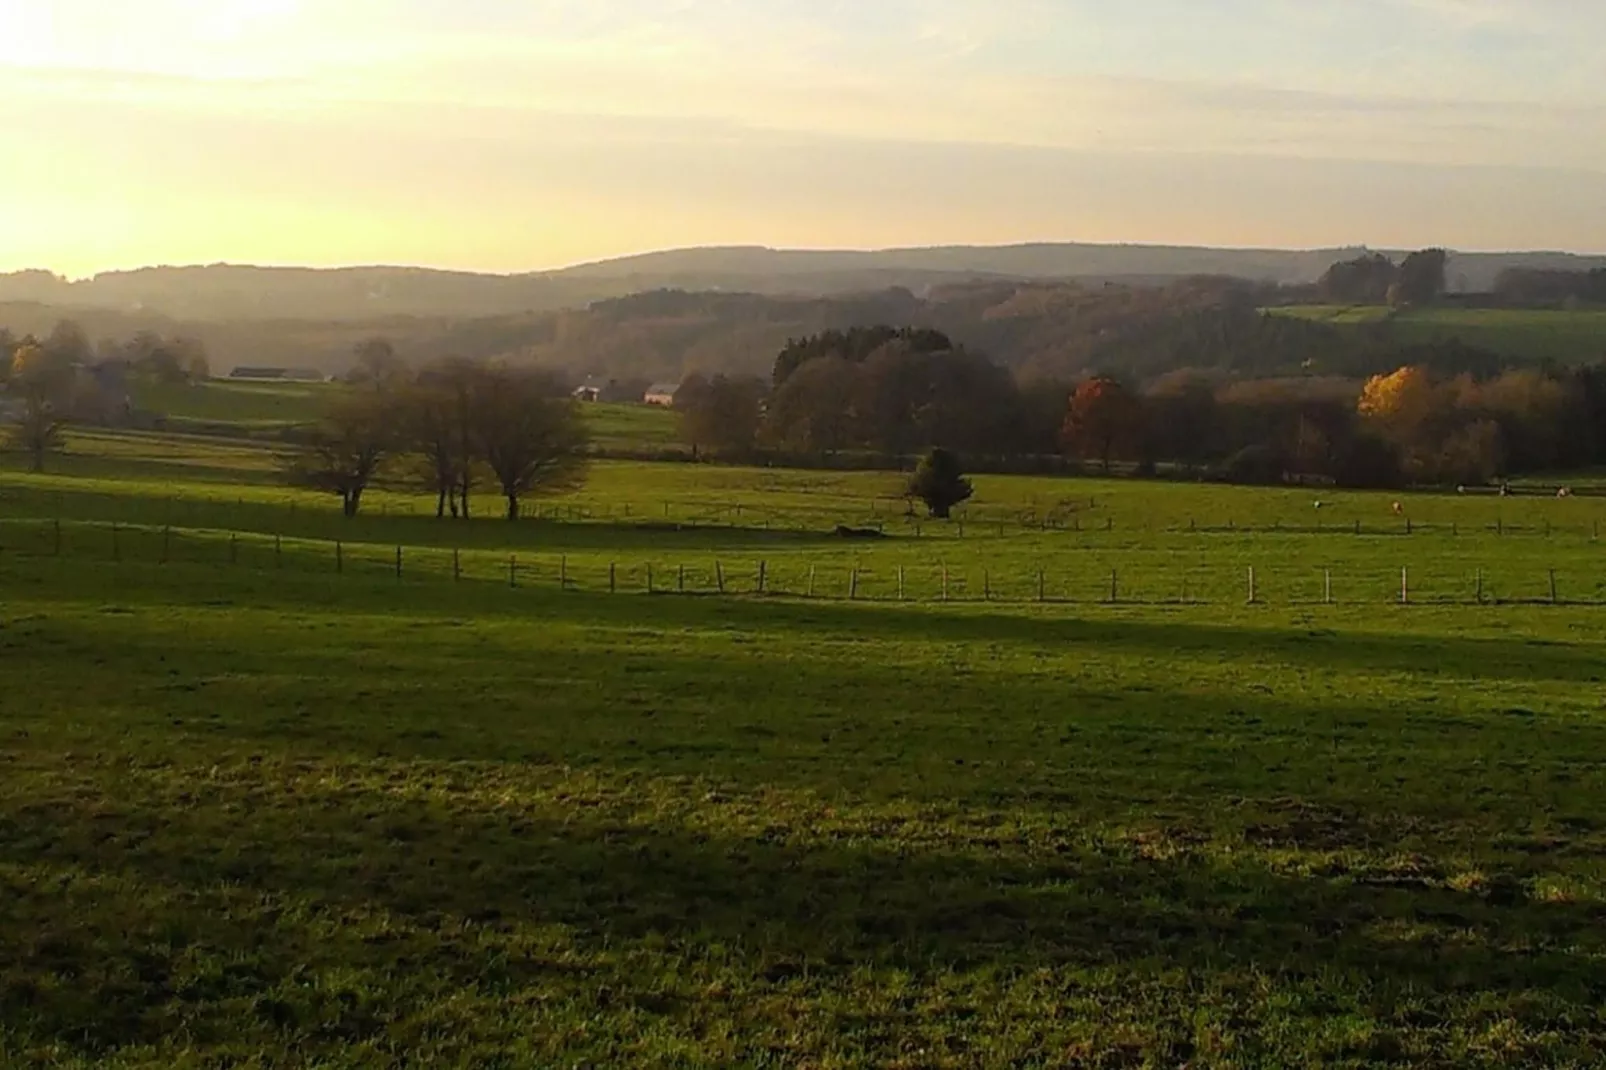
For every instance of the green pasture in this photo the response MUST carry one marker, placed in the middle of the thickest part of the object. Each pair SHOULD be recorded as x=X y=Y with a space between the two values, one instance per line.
x=246 y=404
x=265 y=802
x=1531 y=334
x=221 y=405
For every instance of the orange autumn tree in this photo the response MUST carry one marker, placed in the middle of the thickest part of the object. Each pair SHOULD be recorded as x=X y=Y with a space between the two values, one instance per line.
x=1102 y=419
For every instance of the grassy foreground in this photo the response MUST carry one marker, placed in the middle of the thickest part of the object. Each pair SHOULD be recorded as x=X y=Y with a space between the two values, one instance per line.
x=258 y=812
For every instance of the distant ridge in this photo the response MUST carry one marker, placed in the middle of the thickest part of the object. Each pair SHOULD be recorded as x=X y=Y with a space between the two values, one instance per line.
x=224 y=291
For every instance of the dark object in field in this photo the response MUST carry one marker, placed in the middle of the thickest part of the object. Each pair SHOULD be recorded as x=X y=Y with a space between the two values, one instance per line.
x=845 y=532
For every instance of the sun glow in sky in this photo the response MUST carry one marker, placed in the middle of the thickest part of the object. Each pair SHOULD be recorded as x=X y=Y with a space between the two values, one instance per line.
x=520 y=134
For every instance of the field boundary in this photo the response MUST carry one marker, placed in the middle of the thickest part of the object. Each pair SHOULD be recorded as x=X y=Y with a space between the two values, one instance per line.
x=749 y=576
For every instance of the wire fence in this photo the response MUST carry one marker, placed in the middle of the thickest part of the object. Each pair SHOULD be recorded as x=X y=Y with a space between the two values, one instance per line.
x=1138 y=579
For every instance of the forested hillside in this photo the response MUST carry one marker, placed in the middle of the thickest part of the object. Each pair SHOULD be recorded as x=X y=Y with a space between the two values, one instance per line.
x=1040 y=330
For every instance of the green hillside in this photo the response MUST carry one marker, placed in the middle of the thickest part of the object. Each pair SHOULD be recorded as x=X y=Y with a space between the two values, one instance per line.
x=1568 y=336
x=221 y=406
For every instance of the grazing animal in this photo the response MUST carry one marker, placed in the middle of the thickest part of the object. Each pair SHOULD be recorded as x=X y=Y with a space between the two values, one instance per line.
x=1565 y=492
x=845 y=532
x=1320 y=504
x=1399 y=510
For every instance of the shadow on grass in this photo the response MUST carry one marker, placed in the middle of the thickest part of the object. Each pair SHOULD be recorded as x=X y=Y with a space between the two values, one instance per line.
x=421 y=530
x=240 y=914
x=306 y=583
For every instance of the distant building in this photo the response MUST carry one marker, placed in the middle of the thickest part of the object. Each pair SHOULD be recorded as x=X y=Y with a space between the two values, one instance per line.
x=591 y=390
x=662 y=394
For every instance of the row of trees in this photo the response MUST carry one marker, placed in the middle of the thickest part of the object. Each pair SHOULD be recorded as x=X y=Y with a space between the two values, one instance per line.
x=1374 y=279
x=911 y=392
x=447 y=429
x=45 y=383
x=1405 y=426
x=1535 y=286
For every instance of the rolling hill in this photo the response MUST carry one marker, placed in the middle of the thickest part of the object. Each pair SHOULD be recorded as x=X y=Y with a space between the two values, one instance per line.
x=226 y=292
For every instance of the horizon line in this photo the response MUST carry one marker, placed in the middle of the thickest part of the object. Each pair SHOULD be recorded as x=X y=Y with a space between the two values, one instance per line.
x=1361 y=247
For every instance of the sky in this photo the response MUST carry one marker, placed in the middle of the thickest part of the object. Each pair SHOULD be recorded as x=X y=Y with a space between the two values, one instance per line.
x=512 y=135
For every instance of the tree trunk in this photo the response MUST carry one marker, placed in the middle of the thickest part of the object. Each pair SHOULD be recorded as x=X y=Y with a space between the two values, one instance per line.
x=512 y=506
x=440 y=504
x=38 y=461
x=352 y=501
x=462 y=492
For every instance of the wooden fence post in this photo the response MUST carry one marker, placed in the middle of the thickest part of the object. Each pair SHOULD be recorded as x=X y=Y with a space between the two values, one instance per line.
x=398 y=562
x=1553 y=598
x=986 y=586
x=1042 y=587
x=900 y=583
x=1251 y=584
x=234 y=547
x=1115 y=589
x=340 y=558
x=512 y=571
x=763 y=569
x=945 y=583
x=1405 y=587
x=457 y=565
x=1479 y=585
x=719 y=576
x=563 y=572
x=613 y=576
x=1327 y=586
x=853 y=583
x=649 y=569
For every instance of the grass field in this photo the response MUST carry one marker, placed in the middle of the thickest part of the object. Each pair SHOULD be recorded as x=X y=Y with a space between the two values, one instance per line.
x=1530 y=334
x=258 y=811
x=222 y=406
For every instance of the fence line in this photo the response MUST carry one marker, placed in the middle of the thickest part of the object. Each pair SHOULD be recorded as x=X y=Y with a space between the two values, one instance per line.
x=978 y=583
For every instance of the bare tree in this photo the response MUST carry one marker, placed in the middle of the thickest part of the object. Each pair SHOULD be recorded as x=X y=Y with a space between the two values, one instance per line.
x=345 y=451
x=377 y=364
x=529 y=433
x=428 y=423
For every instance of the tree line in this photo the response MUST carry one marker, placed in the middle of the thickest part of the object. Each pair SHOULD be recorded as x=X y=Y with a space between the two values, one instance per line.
x=1375 y=279
x=446 y=429
x=896 y=393
x=47 y=383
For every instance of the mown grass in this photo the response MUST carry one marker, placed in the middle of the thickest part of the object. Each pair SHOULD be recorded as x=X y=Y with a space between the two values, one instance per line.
x=257 y=812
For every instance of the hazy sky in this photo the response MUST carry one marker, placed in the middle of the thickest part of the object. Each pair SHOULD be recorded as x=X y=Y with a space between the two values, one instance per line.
x=516 y=134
